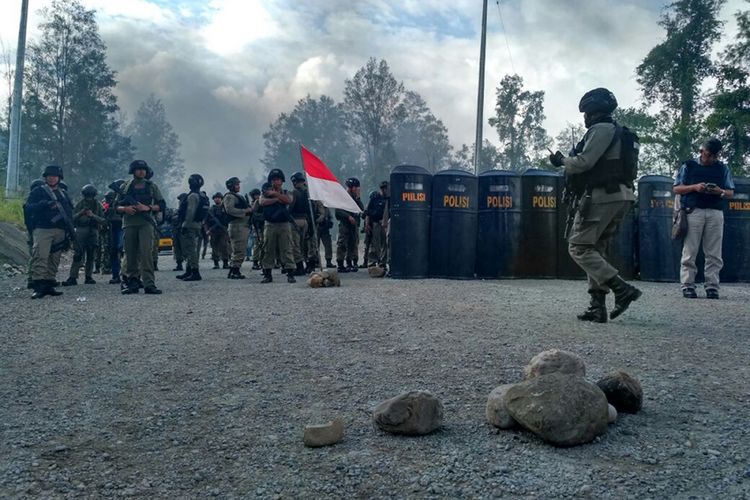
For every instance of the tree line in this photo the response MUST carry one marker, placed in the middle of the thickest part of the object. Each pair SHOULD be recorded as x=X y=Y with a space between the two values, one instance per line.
x=70 y=115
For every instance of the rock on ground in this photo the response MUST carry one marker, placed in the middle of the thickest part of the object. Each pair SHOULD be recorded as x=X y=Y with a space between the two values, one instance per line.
x=412 y=413
x=554 y=360
x=622 y=391
x=323 y=435
x=496 y=412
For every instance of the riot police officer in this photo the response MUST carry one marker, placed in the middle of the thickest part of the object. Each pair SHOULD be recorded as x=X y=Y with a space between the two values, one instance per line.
x=376 y=225
x=139 y=200
x=88 y=215
x=216 y=226
x=347 y=245
x=302 y=250
x=257 y=221
x=605 y=195
x=277 y=237
x=237 y=208
x=191 y=215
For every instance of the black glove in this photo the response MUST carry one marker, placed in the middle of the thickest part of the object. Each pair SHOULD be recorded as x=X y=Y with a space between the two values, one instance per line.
x=557 y=159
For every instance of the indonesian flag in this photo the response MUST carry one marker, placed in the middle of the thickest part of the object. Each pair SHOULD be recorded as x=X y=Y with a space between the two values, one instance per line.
x=323 y=186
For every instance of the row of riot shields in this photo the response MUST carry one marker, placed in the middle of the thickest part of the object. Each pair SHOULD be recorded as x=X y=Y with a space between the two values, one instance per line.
x=504 y=224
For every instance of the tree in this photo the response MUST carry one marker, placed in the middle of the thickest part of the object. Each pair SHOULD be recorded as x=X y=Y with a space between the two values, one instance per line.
x=673 y=71
x=518 y=120
x=420 y=138
x=372 y=104
x=69 y=105
x=157 y=143
x=490 y=158
x=319 y=125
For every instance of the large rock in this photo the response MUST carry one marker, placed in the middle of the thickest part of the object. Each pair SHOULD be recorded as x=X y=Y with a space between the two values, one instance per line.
x=324 y=279
x=554 y=361
x=376 y=271
x=562 y=409
x=412 y=413
x=323 y=435
x=496 y=412
x=622 y=391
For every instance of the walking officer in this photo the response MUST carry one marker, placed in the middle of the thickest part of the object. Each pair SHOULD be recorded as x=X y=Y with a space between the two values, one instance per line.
x=88 y=215
x=237 y=208
x=139 y=200
x=51 y=212
x=347 y=245
x=216 y=226
x=277 y=237
x=604 y=188
x=192 y=215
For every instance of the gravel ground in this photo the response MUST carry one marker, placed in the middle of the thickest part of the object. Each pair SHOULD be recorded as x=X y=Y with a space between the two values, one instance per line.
x=205 y=390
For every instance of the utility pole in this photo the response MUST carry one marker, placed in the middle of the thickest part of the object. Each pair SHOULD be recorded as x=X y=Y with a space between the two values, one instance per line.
x=480 y=96
x=14 y=142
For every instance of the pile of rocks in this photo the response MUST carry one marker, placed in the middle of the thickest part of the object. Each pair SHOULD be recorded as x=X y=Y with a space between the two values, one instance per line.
x=323 y=279
x=556 y=402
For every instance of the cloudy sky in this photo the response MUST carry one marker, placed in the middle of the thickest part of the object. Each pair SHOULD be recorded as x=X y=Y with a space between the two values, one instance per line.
x=225 y=69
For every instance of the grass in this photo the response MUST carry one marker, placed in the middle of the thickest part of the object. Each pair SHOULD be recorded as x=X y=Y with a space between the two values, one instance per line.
x=11 y=211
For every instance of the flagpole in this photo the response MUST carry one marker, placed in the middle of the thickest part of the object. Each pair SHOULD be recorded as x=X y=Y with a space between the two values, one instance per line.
x=480 y=93
x=312 y=215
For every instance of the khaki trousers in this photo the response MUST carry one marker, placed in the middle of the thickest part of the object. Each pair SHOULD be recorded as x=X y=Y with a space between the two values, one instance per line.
x=87 y=241
x=139 y=249
x=588 y=243
x=191 y=245
x=277 y=245
x=378 y=245
x=258 y=244
x=44 y=263
x=324 y=237
x=219 y=244
x=347 y=244
x=704 y=225
x=238 y=233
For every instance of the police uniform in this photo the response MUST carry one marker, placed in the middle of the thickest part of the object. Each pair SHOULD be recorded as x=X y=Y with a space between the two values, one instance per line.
x=139 y=229
x=237 y=206
x=190 y=230
x=303 y=252
x=176 y=224
x=216 y=223
x=258 y=221
x=277 y=232
x=87 y=235
x=377 y=221
x=324 y=223
x=114 y=236
x=52 y=211
x=347 y=244
x=606 y=196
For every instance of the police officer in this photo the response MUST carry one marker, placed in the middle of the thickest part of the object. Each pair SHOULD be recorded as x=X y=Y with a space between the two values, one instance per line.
x=176 y=224
x=52 y=211
x=114 y=223
x=302 y=250
x=88 y=215
x=190 y=229
x=237 y=208
x=376 y=225
x=277 y=237
x=158 y=218
x=606 y=195
x=324 y=223
x=347 y=245
x=216 y=226
x=28 y=221
x=139 y=201
x=257 y=221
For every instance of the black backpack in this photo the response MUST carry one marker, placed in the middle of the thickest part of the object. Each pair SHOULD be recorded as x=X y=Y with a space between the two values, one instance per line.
x=203 y=205
x=629 y=148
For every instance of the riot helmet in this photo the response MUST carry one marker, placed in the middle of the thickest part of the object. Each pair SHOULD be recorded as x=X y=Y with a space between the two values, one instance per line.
x=195 y=181
x=217 y=195
x=599 y=100
x=149 y=172
x=276 y=174
x=265 y=187
x=53 y=170
x=255 y=192
x=138 y=165
x=297 y=177
x=352 y=182
x=110 y=195
x=88 y=191
x=232 y=183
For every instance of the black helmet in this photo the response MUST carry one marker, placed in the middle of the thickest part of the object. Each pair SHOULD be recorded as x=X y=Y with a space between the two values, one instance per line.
x=138 y=165
x=231 y=183
x=62 y=186
x=599 y=100
x=297 y=177
x=373 y=194
x=110 y=195
x=195 y=181
x=149 y=172
x=352 y=182
x=276 y=174
x=255 y=192
x=181 y=197
x=265 y=187
x=384 y=184
x=116 y=185
x=53 y=170
x=88 y=191
x=35 y=184
x=217 y=195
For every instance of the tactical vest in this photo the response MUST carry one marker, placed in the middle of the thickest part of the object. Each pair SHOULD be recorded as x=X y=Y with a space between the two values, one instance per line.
x=145 y=195
x=298 y=208
x=376 y=208
x=276 y=212
x=695 y=173
x=240 y=203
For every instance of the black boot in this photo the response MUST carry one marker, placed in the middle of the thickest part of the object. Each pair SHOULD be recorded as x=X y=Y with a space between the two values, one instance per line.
x=70 y=282
x=216 y=264
x=131 y=288
x=624 y=295
x=364 y=264
x=341 y=268
x=194 y=275
x=256 y=266
x=597 y=311
x=311 y=265
x=329 y=264
x=115 y=280
x=300 y=271
x=40 y=289
x=178 y=267
x=353 y=267
x=290 y=275
x=267 y=278
x=89 y=281
x=184 y=275
x=51 y=288
x=225 y=264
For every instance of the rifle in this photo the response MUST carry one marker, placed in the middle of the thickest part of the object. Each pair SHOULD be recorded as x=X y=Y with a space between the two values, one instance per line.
x=127 y=200
x=215 y=222
x=70 y=231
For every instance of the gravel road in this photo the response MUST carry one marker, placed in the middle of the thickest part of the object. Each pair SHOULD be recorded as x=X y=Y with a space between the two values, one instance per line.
x=205 y=390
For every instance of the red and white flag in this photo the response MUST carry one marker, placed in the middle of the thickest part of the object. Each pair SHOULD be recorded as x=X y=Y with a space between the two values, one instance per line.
x=323 y=186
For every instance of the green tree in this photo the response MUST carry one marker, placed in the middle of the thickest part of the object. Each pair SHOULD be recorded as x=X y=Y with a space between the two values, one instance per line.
x=420 y=138
x=372 y=102
x=518 y=120
x=490 y=158
x=157 y=143
x=319 y=125
x=71 y=116
x=672 y=73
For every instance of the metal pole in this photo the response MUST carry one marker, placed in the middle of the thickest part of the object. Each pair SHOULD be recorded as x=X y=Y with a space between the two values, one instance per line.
x=14 y=144
x=480 y=94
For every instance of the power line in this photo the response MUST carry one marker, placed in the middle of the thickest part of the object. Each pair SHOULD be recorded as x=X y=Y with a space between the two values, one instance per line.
x=505 y=35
